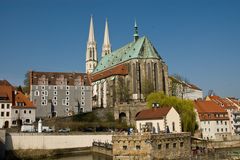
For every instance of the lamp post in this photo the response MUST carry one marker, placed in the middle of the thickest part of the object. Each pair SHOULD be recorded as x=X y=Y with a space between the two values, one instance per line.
x=155 y=105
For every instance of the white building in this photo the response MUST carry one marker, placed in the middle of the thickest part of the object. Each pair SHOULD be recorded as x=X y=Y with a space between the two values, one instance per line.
x=158 y=120
x=184 y=90
x=212 y=119
x=15 y=107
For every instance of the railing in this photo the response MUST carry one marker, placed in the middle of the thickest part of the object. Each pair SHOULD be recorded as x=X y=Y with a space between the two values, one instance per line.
x=102 y=144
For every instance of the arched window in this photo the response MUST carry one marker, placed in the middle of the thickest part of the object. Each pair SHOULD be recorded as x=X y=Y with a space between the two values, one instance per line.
x=134 y=79
x=155 y=76
x=173 y=126
x=148 y=71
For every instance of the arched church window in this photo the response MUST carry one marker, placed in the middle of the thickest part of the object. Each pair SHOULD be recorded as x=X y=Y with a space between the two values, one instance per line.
x=148 y=71
x=155 y=76
x=134 y=78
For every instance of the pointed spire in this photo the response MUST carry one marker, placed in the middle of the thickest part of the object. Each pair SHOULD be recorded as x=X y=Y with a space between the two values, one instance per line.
x=91 y=37
x=91 y=53
x=135 y=31
x=106 y=48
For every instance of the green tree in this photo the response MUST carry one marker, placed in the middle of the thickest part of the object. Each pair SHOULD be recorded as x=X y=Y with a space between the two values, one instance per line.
x=185 y=108
x=26 y=87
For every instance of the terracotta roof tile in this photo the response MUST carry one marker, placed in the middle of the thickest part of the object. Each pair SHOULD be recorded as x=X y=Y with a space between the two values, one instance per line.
x=153 y=113
x=208 y=110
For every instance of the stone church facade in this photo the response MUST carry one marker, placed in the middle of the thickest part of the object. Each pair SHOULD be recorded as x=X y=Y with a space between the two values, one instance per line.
x=125 y=75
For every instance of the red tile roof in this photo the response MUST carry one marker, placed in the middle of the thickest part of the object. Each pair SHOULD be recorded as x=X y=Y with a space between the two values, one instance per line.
x=8 y=91
x=153 y=113
x=223 y=102
x=208 y=110
x=52 y=77
x=117 y=70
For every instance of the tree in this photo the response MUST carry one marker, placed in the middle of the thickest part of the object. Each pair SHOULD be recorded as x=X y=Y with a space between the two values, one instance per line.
x=26 y=82
x=185 y=108
x=179 y=86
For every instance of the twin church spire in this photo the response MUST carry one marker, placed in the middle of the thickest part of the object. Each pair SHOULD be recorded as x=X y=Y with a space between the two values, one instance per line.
x=91 y=53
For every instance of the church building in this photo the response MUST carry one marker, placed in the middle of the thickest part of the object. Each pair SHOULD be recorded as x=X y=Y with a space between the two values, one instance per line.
x=126 y=74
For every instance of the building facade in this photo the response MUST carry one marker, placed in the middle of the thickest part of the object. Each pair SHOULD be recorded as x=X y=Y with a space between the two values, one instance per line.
x=60 y=94
x=126 y=74
x=156 y=120
x=16 y=109
x=212 y=119
x=184 y=90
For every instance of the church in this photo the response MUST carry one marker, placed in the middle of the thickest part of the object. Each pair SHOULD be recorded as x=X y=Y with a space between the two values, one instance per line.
x=127 y=74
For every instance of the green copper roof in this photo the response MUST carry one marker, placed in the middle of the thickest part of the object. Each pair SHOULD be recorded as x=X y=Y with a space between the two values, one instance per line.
x=141 y=49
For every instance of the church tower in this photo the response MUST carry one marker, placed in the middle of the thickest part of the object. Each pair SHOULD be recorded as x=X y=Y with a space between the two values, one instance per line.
x=91 y=53
x=106 y=48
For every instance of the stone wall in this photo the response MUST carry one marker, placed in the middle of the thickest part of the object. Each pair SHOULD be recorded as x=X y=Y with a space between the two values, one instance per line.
x=15 y=141
x=152 y=146
x=130 y=110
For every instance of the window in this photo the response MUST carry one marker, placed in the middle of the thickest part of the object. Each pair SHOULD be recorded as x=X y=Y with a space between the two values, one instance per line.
x=82 y=88
x=67 y=93
x=217 y=130
x=2 y=114
x=7 y=114
x=55 y=88
x=138 y=147
x=43 y=92
x=55 y=93
x=222 y=129
x=167 y=145
x=8 y=106
x=217 y=122
x=83 y=93
x=67 y=109
x=225 y=122
x=43 y=87
x=67 y=98
x=83 y=103
x=25 y=111
x=2 y=106
x=55 y=97
x=67 y=104
x=174 y=145
x=16 y=111
x=173 y=126
x=181 y=144
x=82 y=98
x=124 y=147
x=226 y=129
x=63 y=102
x=14 y=122
x=30 y=112
x=27 y=120
x=67 y=87
x=36 y=93
x=55 y=103
x=43 y=98
x=159 y=146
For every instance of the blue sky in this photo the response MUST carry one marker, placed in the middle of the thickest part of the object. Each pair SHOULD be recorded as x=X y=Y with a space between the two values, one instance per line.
x=198 y=39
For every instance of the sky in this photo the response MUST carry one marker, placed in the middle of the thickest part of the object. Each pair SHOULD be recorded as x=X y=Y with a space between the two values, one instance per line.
x=198 y=39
